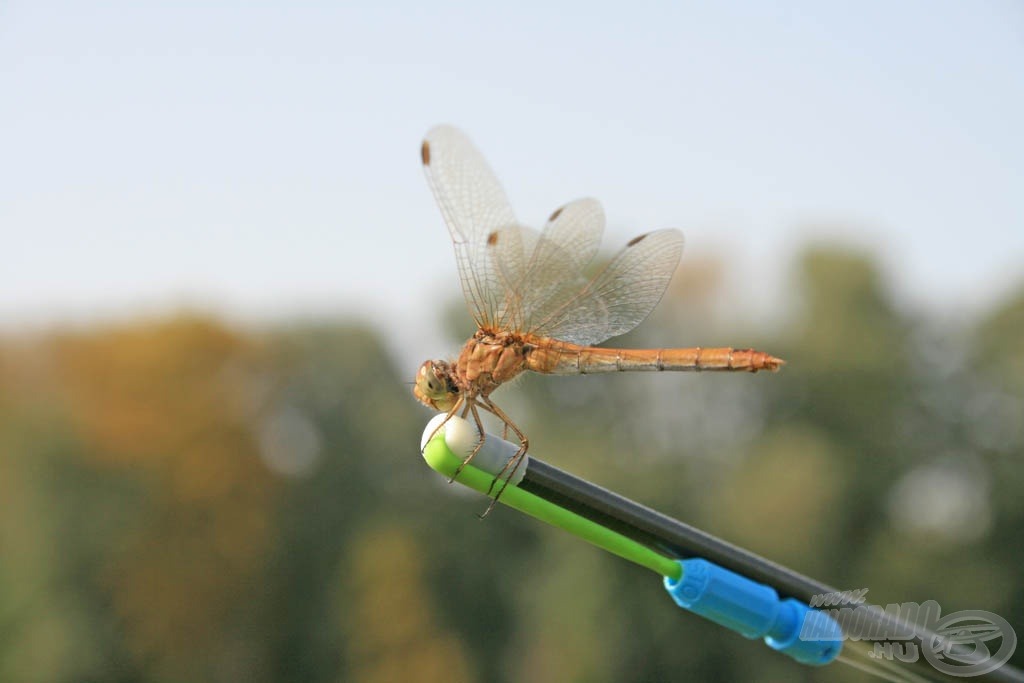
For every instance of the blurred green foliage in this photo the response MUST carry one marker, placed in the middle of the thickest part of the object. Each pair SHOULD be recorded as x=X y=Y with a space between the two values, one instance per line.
x=180 y=500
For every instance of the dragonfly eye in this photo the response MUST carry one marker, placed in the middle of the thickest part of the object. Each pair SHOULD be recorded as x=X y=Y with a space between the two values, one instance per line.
x=427 y=378
x=433 y=387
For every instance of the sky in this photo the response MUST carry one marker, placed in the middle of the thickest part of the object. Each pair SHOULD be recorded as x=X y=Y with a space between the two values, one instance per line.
x=261 y=159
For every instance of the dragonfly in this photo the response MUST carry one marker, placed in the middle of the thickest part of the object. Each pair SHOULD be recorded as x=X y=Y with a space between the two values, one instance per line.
x=534 y=307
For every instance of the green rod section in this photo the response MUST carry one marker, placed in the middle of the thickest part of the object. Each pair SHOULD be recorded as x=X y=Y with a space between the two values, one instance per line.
x=439 y=457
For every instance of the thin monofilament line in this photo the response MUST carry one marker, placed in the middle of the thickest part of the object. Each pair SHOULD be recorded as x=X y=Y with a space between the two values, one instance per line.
x=880 y=668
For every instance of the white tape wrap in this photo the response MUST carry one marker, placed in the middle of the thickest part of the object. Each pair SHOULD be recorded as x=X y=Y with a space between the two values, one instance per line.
x=461 y=437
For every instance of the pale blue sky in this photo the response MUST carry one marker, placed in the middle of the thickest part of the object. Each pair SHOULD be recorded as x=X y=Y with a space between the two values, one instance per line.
x=261 y=159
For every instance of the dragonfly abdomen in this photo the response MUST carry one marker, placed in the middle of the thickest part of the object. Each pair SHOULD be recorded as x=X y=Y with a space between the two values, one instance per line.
x=568 y=359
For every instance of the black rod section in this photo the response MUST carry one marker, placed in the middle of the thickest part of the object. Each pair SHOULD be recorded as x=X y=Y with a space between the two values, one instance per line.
x=660 y=532
x=677 y=539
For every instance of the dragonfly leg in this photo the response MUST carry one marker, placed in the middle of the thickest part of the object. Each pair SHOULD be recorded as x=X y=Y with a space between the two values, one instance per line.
x=471 y=407
x=518 y=460
x=510 y=468
x=451 y=413
x=486 y=404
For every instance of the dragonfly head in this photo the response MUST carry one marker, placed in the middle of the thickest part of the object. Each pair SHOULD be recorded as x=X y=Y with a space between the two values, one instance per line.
x=435 y=385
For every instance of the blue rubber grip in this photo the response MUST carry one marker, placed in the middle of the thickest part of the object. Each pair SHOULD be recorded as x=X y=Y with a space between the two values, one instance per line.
x=754 y=610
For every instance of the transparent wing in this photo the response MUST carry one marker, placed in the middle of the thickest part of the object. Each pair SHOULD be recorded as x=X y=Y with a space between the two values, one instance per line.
x=489 y=246
x=621 y=296
x=545 y=293
x=506 y=249
x=554 y=270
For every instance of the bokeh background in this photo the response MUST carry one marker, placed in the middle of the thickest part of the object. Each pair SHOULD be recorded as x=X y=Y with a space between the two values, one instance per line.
x=220 y=267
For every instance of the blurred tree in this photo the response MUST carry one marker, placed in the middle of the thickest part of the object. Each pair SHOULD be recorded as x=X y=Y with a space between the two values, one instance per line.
x=390 y=628
x=52 y=627
x=848 y=383
x=184 y=501
x=170 y=406
x=994 y=416
x=340 y=384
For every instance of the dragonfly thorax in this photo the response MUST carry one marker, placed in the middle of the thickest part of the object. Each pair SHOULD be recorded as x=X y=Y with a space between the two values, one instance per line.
x=489 y=359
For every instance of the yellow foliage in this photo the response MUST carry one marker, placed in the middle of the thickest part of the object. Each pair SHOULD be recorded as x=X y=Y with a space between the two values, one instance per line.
x=166 y=404
x=392 y=631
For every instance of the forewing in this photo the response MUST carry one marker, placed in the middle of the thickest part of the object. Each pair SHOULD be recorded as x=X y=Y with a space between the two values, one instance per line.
x=506 y=250
x=622 y=295
x=554 y=268
x=477 y=213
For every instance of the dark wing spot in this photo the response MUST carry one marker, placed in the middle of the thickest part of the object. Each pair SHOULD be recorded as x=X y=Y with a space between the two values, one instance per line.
x=425 y=153
x=492 y=239
x=635 y=240
x=556 y=214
